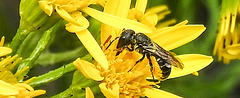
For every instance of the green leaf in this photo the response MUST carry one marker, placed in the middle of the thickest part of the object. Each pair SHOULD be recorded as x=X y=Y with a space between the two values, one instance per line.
x=38 y=49
x=53 y=58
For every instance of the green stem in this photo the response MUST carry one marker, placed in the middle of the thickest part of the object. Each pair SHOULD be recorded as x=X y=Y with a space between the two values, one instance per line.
x=53 y=58
x=38 y=49
x=19 y=38
x=55 y=74
x=52 y=75
x=69 y=93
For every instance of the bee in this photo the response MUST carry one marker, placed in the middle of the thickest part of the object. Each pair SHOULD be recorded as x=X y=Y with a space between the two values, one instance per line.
x=144 y=45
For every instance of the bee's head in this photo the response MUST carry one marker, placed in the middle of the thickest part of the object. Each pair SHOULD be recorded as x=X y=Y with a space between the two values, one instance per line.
x=126 y=38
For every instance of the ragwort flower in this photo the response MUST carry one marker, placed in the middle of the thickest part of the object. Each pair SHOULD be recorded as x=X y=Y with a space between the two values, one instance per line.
x=227 y=45
x=9 y=85
x=117 y=81
x=70 y=10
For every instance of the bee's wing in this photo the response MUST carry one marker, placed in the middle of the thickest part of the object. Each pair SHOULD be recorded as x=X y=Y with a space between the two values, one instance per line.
x=169 y=56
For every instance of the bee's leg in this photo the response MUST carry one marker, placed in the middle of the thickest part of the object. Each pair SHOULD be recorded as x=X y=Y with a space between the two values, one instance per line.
x=111 y=42
x=126 y=47
x=151 y=65
x=118 y=52
x=129 y=49
x=138 y=61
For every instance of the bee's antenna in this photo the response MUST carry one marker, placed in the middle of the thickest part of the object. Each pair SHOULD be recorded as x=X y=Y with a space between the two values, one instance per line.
x=109 y=37
x=112 y=42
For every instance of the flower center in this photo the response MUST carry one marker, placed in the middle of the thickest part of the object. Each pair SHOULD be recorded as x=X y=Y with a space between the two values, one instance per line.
x=132 y=83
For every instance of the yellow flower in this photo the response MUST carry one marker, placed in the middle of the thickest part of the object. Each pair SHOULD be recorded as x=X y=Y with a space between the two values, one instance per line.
x=70 y=10
x=4 y=50
x=9 y=85
x=117 y=81
x=227 y=45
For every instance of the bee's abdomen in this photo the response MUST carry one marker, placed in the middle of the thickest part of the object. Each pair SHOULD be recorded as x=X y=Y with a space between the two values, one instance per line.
x=165 y=67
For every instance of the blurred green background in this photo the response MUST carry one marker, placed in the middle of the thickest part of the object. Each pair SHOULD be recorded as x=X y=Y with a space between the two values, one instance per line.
x=216 y=80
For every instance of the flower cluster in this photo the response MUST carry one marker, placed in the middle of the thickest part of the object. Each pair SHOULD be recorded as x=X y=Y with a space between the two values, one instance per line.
x=227 y=42
x=125 y=74
x=117 y=80
x=9 y=84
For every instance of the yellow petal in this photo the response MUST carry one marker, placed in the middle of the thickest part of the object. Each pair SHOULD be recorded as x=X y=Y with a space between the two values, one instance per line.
x=66 y=16
x=192 y=63
x=88 y=69
x=195 y=73
x=36 y=93
x=89 y=93
x=21 y=71
x=118 y=8
x=228 y=57
x=166 y=23
x=234 y=15
x=106 y=31
x=182 y=23
x=166 y=28
x=157 y=93
x=111 y=6
x=122 y=11
x=7 y=89
x=11 y=66
x=151 y=20
x=217 y=43
x=26 y=86
x=76 y=28
x=46 y=7
x=4 y=51
x=141 y=5
x=174 y=37
x=234 y=49
x=163 y=14
x=123 y=8
x=101 y=2
x=108 y=92
x=157 y=9
x=227 y=22
x=231 y=52
x=93 y=48
x=116 y=22
x=2 y=41
x=29 y=80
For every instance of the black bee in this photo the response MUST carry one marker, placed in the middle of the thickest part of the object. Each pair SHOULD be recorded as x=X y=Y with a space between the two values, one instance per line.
x=144 y=45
